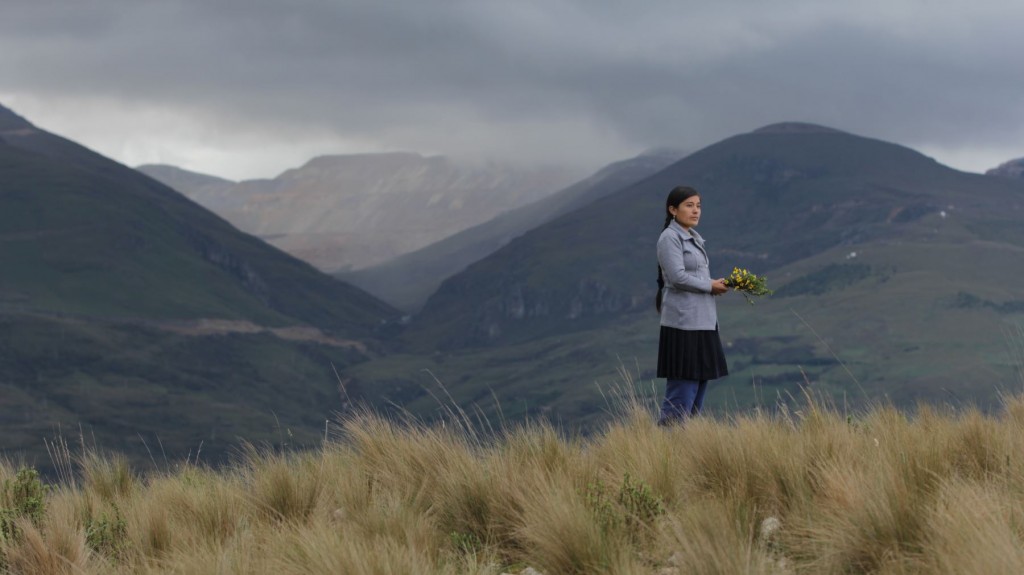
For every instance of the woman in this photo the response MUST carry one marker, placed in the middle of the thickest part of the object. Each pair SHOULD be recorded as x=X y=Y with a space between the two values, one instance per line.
x=689 y=350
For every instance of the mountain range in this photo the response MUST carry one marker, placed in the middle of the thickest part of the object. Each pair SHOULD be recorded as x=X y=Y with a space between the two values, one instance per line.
x=136 y=313
x=408 y=280
x=346 y=212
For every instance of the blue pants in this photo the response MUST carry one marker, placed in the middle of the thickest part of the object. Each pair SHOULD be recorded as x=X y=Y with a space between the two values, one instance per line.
x=683 y=398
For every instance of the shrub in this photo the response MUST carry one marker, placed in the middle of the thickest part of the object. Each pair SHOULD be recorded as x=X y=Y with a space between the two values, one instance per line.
x=23 y=496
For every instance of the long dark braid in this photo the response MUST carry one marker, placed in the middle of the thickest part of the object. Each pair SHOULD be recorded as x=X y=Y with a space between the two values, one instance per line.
x=675 y=197
x=661 y=277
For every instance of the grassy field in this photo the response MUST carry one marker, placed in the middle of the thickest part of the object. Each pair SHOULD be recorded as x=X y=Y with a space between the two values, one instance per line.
x=806 y=490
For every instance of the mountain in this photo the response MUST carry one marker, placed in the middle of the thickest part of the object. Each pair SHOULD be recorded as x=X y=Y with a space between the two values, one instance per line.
x=131 y=310
x=1011 y=169
x=896 y=278
x=11 y=122
x=408 y=280
x=354 y=211
x=208 y=191
x=77 y=218
x=771 y=197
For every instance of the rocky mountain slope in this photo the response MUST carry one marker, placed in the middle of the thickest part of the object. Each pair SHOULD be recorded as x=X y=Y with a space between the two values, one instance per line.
x=407 y=281
x=354 y=211
x=207 y=191
x=1011 y=169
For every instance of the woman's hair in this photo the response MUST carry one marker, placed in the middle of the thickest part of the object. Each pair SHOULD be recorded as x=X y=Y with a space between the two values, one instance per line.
x=678 y=195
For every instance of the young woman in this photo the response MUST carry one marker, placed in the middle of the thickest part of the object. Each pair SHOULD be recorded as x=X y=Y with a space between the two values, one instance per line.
x=689 y=350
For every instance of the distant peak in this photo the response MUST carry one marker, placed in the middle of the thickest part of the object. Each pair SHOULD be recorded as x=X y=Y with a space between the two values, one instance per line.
x=169 y=174
x=796 y=128
x=1011 y=169
x=10 y=121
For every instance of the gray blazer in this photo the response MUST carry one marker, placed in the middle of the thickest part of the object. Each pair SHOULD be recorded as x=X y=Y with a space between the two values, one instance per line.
x=687 y=302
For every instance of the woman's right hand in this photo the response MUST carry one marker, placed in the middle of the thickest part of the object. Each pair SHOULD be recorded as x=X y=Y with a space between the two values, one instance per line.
x=718 y=287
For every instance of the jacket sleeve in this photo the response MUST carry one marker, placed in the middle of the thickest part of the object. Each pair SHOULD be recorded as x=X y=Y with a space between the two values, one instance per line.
x=670 y=258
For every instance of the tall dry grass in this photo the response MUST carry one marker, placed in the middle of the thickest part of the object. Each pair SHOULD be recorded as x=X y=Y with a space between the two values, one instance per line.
x=808 y=491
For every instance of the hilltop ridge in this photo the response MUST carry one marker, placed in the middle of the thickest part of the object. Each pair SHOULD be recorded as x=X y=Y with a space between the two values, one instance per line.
x=796 y=128
x=12 y=121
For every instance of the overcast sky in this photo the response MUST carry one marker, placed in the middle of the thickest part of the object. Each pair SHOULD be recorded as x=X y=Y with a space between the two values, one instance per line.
x=248 y=88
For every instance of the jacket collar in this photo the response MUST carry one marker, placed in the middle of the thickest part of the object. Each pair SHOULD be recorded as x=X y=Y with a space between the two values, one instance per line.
x=689 y=234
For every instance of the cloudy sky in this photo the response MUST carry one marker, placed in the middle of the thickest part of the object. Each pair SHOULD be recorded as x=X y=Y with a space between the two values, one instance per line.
x=248 y=88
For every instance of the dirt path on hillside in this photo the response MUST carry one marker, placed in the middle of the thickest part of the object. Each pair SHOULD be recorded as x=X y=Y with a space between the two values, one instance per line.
x=207 y=327
x=203 y=327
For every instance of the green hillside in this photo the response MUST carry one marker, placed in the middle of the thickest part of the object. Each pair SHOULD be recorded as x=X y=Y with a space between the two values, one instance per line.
x=771 y=197
x=889 y=323
x=83 y=234
x=131 y=312
x=896 y=276
x=158 y=395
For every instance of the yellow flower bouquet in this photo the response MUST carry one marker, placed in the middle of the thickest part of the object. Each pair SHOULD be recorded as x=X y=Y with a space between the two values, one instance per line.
x=748 y=284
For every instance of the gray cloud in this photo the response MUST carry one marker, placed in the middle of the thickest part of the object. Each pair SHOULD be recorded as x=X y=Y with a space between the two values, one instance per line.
x=213 y=83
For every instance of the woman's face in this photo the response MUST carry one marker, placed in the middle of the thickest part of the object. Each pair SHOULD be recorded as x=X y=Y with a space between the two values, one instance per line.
x=687 y=213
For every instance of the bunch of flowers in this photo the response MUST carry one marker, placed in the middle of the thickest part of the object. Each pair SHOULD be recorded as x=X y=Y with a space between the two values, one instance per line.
x=748 y=284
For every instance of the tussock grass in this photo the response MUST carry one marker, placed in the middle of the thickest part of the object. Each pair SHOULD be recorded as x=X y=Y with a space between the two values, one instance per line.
x=806 y=491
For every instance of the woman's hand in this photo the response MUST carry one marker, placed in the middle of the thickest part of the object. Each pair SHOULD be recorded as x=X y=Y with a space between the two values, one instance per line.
x=718 y=287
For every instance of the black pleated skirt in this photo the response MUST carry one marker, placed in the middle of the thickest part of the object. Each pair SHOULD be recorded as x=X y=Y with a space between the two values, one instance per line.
x=690 y=354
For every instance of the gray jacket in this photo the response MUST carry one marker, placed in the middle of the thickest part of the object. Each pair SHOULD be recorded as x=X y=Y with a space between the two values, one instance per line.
x=687 y=302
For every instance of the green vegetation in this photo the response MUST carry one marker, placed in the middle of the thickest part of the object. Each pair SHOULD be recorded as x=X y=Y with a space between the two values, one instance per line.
x=832 y=276
x=22 y=497
x=153 y=394
x=83 y=235
x=771 y=200
x=106 y=273
x=801 y=489
x=895 y=333
x=965 y=300
x=1002 y=231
